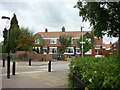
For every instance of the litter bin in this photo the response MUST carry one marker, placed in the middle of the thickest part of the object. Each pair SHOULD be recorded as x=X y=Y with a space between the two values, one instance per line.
x=60 y=57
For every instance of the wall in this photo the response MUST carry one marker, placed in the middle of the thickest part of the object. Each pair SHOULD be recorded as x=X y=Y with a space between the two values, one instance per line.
x=33 y=55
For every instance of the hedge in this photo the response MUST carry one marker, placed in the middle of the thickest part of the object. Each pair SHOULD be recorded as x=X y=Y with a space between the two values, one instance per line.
x=95 y=72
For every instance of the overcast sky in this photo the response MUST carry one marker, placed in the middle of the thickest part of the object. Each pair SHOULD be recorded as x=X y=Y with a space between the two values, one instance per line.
x=38 y=15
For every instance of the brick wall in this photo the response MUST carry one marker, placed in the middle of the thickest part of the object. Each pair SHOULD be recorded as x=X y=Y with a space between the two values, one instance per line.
x=65 y=57
x=33 y=55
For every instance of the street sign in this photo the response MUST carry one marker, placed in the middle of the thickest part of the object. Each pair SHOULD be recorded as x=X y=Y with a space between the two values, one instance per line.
x=82 y=42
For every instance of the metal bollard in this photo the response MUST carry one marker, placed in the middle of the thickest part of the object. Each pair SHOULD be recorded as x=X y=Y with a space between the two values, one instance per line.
x=49 y=66
x=30 y=62
x=13 y=69
x=8 y=67
x=3 y=62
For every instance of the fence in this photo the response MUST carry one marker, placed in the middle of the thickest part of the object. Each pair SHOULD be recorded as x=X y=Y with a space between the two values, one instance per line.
x=76 y=82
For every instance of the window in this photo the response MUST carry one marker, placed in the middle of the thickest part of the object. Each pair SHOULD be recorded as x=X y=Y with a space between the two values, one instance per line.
x=89 y=39
x=53 y=41
x=53 y=50
x=77 y=50
x=69 y=50
x=45 y=50
x=89 y=52
x=37 y=41
x=72 y=41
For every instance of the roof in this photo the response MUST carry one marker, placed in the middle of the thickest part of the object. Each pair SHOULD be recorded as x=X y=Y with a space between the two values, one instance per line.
x=107 y=45
x=98 y=41
x=115 y=42
x=58 y=34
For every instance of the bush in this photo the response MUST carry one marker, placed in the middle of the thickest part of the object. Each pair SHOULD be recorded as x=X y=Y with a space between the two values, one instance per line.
x=95 y=72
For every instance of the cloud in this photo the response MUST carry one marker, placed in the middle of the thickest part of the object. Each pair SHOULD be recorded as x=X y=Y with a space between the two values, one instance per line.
x=107 y=40
x=40 y=15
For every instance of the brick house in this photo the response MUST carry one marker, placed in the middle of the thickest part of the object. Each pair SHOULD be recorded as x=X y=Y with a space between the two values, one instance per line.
x=107 y=46
x=48 y=42
x=114 y=46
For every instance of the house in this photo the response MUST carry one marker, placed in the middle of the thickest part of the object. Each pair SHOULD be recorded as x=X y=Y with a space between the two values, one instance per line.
x=48 y=42
x=107 y=46
x=114 y=46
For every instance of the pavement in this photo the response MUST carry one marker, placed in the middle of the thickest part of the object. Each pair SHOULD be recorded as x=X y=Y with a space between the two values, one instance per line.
x=37 y=75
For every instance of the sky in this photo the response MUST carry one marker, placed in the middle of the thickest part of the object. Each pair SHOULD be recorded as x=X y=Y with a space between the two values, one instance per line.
x=38 y=15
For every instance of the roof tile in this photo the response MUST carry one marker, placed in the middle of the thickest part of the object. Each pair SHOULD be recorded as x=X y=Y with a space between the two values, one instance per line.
x=57 y=34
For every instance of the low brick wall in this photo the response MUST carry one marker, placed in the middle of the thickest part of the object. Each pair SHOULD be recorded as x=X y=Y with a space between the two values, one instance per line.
x=77 y=55
x=65 y=57
x=33 y=55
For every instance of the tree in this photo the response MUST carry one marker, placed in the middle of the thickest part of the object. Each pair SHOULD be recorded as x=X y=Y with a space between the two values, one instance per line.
x=1 y=47
x=86 y=46
x=25 y=40
x=65 y=41
x=103 y=16
x=14 y=33
x=4 y=45
x=5 y=32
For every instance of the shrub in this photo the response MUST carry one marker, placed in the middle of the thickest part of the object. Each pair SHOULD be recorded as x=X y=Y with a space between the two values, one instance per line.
x=95 y=72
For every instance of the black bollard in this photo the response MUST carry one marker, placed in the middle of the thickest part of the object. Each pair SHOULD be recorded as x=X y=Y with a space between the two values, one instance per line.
x=8 y=67
x=3 y=62
x=49 y=66
x=13 y=69
x=30 y=62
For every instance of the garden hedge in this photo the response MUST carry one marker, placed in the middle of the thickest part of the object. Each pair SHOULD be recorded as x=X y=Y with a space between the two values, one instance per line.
x=95 y=72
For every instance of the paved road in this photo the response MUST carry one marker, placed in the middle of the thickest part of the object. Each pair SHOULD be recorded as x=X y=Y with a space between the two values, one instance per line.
x=38 y=66
x=37 y=75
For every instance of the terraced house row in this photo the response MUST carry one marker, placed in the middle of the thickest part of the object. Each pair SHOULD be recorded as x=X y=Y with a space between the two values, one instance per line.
x=48 y=42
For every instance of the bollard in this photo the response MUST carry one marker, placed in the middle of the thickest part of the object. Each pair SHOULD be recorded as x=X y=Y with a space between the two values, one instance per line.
x=13 y=69
x=3 y=62
x=8 y=67
x=49 y=66
x=30 y=62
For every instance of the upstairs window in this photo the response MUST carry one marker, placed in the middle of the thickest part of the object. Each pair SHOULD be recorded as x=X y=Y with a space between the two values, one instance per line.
x=53 y=41
x=88 y=39
x=37 y=41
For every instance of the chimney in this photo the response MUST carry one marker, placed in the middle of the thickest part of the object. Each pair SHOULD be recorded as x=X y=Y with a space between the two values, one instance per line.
x=63 y=29
x=46 y=30
x=110 y=43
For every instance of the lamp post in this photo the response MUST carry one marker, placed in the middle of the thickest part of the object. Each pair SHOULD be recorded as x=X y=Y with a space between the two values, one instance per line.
x=82 y=40
x=8 y=49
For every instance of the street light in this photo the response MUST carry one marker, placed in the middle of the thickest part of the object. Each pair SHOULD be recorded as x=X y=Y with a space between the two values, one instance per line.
x=8 y=48
x=82 y=41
